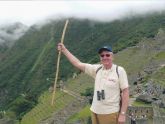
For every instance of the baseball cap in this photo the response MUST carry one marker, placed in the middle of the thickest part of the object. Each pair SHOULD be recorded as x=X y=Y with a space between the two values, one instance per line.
x=105 y=48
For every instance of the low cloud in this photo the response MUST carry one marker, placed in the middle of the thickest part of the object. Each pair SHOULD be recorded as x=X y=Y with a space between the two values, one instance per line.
x=30 y=12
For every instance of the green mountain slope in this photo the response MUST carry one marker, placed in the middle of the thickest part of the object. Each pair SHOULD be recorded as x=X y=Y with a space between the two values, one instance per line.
x=32 y=59
x=145 y=56
x=135 y=59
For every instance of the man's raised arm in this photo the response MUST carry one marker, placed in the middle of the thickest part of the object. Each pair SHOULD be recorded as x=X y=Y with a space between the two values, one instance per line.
x=73 y=60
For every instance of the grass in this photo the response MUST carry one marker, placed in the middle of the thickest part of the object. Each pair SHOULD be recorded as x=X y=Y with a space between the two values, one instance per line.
x=82 y=115
x=44 y=109
x=163 y=111
x=141 y=104
x=133 y=59
x=80 y=83
x=41 y=55
x=158 y=77
x=160 y=55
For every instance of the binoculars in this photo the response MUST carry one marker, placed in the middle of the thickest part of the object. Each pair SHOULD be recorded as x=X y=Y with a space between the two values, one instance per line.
x=100 y=95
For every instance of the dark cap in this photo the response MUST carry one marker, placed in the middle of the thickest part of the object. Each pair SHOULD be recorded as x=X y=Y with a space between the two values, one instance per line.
x=105 y=48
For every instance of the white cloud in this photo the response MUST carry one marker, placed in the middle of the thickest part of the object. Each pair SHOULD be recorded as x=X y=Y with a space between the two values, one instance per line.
x=29 y=12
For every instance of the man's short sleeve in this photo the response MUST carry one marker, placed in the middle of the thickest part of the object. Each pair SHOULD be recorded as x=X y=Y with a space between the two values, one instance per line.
x=91 y=69
x=123 y=78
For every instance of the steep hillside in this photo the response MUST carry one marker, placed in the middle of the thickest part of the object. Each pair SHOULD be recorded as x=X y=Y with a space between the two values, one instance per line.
x=9 y=33
x=144 y=61
x=26 y=66
x=136 y=59
x=143 y=58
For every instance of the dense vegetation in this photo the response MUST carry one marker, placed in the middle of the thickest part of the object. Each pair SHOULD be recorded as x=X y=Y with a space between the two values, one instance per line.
x=25 y=67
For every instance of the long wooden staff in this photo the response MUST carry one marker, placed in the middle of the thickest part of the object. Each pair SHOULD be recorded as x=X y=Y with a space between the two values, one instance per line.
x=58 y=62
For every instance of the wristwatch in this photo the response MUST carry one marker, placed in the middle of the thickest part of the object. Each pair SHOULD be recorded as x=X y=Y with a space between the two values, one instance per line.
x=122 y=113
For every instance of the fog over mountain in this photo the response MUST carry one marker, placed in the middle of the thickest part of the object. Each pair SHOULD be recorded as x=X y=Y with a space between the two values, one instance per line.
x=11 y=32
x=32 y=12
x=41 y=12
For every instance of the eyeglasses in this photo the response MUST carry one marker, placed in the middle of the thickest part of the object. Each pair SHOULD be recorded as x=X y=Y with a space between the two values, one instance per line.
x=107 y=55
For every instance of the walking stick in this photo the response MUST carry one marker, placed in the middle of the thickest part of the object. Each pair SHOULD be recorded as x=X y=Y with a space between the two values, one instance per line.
x=58 y=62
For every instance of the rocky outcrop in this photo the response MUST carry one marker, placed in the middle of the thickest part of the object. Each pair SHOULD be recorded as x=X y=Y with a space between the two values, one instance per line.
x=144 y=98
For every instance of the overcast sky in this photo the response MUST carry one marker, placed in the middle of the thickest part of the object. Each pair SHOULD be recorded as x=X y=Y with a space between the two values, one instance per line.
x=30 y=12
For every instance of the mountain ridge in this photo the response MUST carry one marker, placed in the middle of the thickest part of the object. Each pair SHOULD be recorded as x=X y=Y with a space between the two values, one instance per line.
x=24 y=69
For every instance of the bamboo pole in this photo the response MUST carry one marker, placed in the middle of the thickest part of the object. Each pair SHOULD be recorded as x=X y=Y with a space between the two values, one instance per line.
x=58 y=63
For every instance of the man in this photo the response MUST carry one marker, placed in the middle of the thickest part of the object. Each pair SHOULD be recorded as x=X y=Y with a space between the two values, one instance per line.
x=111 y=93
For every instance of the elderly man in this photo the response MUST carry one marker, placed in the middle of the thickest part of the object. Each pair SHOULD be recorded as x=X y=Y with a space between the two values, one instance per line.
x=111 y=93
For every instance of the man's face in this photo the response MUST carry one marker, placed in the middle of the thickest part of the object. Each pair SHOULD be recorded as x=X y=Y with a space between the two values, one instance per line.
x=106 y=58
